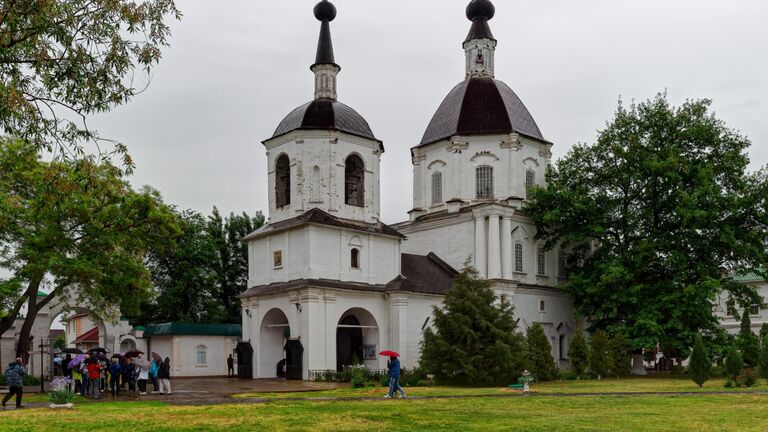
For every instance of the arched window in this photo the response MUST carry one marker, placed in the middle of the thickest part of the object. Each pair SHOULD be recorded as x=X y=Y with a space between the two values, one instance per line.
x=437 y=188
x=530 y=180
x=202 y=354
x=354 y=180
x=519 y=257
x=282 y=181
x=355 y=258
x=484 y=182
x=541 y=261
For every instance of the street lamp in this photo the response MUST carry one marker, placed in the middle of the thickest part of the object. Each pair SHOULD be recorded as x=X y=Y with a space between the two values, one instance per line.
x=42 y=361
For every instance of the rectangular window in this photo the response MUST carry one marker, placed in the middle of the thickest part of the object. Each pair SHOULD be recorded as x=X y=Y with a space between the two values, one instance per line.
x=277 y=258
x=201 y=356
x=484 y=182
x=437 y=188
x=519 y=257
x=755 y=308
x=541 y=259
x=563 y=347
x=530 y=180
x=542 y=305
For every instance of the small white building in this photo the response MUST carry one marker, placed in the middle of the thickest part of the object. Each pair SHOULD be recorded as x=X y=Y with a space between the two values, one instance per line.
x=330 y=284
x=758 y=313
x=195 y=350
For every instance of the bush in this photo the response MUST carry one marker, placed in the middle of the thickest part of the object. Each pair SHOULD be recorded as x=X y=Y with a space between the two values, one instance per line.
x=748 y=378
x=748 y=342
x=620 y=358
x=416 y=377
x=540 y=354
x=729 y=383
x=700 y=365
x=579 y=353
x=733 y=363
x=599 y=354
x=762 y=360
x=29 y=380
x=568 y=375
x=717 y=372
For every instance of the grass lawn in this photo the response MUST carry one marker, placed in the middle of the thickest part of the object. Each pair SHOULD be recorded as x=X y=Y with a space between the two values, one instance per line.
x=666 y=384
x=581 y=413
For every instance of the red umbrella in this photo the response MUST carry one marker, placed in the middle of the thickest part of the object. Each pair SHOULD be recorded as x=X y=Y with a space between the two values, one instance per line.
x=389 y=353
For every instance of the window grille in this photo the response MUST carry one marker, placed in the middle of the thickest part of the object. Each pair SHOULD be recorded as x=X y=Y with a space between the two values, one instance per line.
x=484 y=182
x=530 y=180
x=202 y=355
x=541 y=259
x=354 y=178
x=437 y=188
x=519 y=257
x=282 y=181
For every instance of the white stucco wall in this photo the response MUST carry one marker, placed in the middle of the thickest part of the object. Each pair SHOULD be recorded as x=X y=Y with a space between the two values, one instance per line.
x=733 y=325
x=321 y=252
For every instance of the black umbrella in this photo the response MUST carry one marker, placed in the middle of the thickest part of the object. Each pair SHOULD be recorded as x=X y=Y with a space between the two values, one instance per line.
x=134 y=353
x=72 y=351
x=97 y=351
x=117 y=356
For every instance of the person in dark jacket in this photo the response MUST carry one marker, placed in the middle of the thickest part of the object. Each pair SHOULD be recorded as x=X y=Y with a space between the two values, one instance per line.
x=129 y=376
x=14 y=377
x=115 y=372
x=393 y=366
x=164 y=376
x=230 y=366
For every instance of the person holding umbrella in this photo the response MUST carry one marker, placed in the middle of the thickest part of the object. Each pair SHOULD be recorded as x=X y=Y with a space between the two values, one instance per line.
x=94 y=378
x=393 y=371
x=115 y=372
x=143 y=367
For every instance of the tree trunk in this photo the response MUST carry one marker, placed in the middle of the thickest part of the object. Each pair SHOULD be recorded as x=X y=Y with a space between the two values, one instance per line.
x=638 y=365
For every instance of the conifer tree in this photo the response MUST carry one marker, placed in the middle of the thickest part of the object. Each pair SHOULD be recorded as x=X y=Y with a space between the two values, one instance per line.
x=748 y=341
x=733 y=363
x=700 y=364
x=620 y=359
x=540 y=360
x=475 y=339
x=599 y=354
x=578 y=353
x=762 y=366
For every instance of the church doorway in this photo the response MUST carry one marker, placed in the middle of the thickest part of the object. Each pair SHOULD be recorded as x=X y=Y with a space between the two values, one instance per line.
x=274 y=333
x=357 y=339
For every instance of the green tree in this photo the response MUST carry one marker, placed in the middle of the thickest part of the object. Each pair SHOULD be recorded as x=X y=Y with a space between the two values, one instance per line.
x=60 y=342
x=734 y=363
x=763 y=331
x=651 y=215
x=700 y=365
x=78 y=225
x=620 y=356
x=475 y=339
x=540 y=361
x=230 y=265
x=762 y=363
x=61 y=61
x=749 y=344
x=578 y=353
x=600 y=354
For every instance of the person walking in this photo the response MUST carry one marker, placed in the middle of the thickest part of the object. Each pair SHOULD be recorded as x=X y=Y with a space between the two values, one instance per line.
x=77 y=377
x=230 y=366
x=164 y=375
x=94 y=379
x=14 y=377
x=129 y=376
x=393 y=366
x=115 y=372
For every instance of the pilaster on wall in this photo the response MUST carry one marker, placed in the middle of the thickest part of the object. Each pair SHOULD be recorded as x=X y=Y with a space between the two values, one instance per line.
x=398 y=323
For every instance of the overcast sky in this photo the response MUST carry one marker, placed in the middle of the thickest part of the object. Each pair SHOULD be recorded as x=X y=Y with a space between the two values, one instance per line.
x=235 y=68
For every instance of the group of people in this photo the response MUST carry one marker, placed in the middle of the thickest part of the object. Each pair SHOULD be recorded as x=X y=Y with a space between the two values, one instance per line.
x=96 y=374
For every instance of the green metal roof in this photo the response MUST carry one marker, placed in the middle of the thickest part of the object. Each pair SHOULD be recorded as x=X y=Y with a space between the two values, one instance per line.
x=141 y=328
x=41 y=294
x=187 y=329
x=751 y=276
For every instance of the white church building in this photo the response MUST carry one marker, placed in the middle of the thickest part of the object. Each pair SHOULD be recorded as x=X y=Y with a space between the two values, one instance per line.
x=330 y=284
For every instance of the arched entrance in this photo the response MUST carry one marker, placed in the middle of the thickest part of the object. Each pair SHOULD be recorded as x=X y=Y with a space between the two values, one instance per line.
x=357 y=339
x=274 y=332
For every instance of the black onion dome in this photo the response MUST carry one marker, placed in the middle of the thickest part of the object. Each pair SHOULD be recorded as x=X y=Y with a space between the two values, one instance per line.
x=325 y=11
x=480 y=9
x=480 y=12
x=325 y=114
x=481 y=106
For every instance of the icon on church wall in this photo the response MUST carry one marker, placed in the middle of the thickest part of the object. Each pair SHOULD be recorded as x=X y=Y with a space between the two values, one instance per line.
x=277 y=256
x=369 y=352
